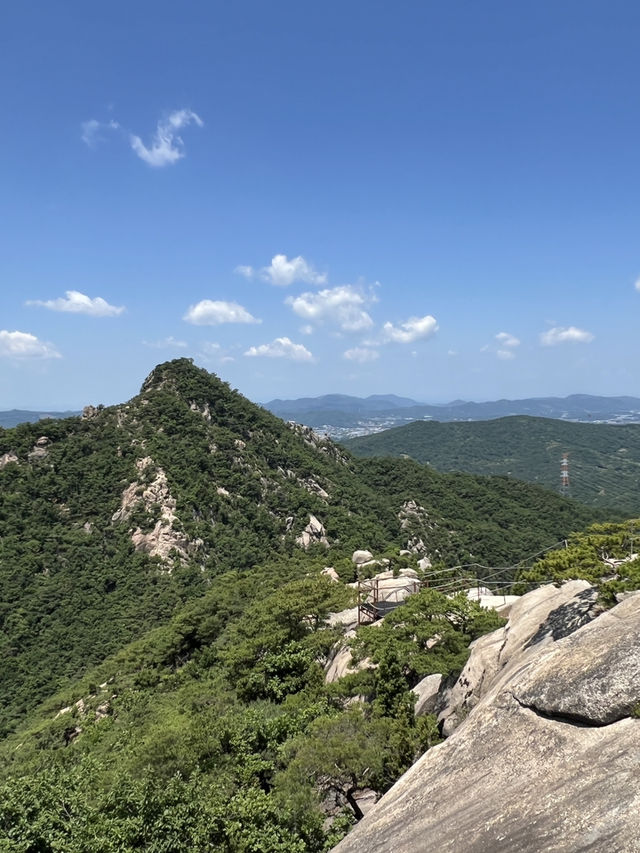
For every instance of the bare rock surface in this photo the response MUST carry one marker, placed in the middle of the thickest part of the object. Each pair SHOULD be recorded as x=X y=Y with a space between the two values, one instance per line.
x=548 y=760
x=536 y=619
x=474 y=680
x=313 y=534
x=426 y=692
x=360 y=557
x=341 y=662
x=346 y=618
x=592 y=676
x=164 y=539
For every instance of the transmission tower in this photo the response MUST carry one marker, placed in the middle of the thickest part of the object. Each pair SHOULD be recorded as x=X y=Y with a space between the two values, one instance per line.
x=565 y=489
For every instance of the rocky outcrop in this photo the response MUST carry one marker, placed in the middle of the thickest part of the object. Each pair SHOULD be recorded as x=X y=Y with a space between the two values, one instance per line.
x=313 y=534
x=341 y=661
x=204 y=410
x=40 y=448
x=385 y=586
x=321 y=443
x=7 y=458
x=164 y=540
x=548 y=758
x=535 y=619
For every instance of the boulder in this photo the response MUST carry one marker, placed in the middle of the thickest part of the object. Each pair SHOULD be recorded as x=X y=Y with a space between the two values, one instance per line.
x=396 y=589
x=360 y=557
x=330 y=573
x=476 y=592
x=426 y=692
x=40 y=448
x=382 y=562
x=502 y=604
x=346 y=618
x=546 y=761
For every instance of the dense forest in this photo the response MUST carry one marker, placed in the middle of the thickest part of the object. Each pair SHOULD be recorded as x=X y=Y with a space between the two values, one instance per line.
x=604 y=459
x=165 y=620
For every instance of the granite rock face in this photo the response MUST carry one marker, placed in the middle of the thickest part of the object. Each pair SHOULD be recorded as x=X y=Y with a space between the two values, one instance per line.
x=535 y=620
x=426 y=692
x=549 y=758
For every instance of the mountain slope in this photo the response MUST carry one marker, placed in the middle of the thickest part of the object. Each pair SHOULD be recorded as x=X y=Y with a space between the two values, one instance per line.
x=604 y=460
x=110 y=522
x=166 y=622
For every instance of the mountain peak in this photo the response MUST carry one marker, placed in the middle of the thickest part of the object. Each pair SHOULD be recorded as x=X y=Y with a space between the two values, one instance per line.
x=188 y=381
x=170 y=373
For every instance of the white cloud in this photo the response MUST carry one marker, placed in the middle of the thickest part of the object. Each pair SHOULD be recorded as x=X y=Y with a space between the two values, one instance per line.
x=281 y=348
x=166 y=343
x=637 y=285
x=341 y=305
x=505 y=354
x=91 y=130
x=452 y=352
x=25 y=345
x=246 y=271
x=75 y=302
x=283 y=272
x=307 y=329
x=209 y=312
x=414 y=329
x=167 y=145
x=361 y=354
x=563 y=335
x=507 y=340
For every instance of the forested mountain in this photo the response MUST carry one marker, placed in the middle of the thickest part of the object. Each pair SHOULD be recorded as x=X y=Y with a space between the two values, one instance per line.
x=163 y=618
x=604 y=460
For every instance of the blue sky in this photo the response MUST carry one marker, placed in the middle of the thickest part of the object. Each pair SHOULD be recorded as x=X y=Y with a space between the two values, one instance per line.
x=437 y=200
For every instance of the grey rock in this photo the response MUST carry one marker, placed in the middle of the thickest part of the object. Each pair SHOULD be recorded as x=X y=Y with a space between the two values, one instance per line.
x=536 y=619
x=548 y=760
x=360 y=557
x=426 y=692
x=592 y=676
x=314 y=533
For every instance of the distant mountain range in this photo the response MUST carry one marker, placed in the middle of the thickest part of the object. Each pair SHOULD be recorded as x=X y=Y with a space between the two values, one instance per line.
x=343 y=416
x=343 y=403
x=13 y=417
